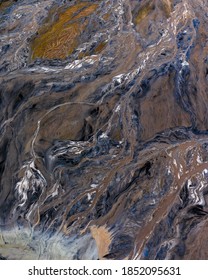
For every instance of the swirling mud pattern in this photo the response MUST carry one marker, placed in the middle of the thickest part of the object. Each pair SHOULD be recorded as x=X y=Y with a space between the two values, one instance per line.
x=104 y=129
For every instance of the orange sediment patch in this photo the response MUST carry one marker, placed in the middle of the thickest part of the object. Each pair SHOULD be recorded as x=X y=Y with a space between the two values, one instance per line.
x=103 y=239
x=61 y=38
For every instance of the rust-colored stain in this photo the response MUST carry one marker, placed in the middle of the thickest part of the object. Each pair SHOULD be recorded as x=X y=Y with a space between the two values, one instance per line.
x=59 y=40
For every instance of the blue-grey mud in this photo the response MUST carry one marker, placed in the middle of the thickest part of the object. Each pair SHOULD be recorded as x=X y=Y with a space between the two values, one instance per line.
x=104 y=129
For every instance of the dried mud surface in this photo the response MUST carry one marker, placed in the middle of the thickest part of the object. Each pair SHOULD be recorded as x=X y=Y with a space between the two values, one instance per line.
x=103 y=129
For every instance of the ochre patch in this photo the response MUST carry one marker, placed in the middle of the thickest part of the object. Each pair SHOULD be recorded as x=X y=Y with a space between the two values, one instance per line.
x=100 y=47
x=144 y=12
x=59 y=40
x=4 y=5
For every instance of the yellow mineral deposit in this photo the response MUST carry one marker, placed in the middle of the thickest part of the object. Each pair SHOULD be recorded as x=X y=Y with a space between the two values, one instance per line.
x=60 y=39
